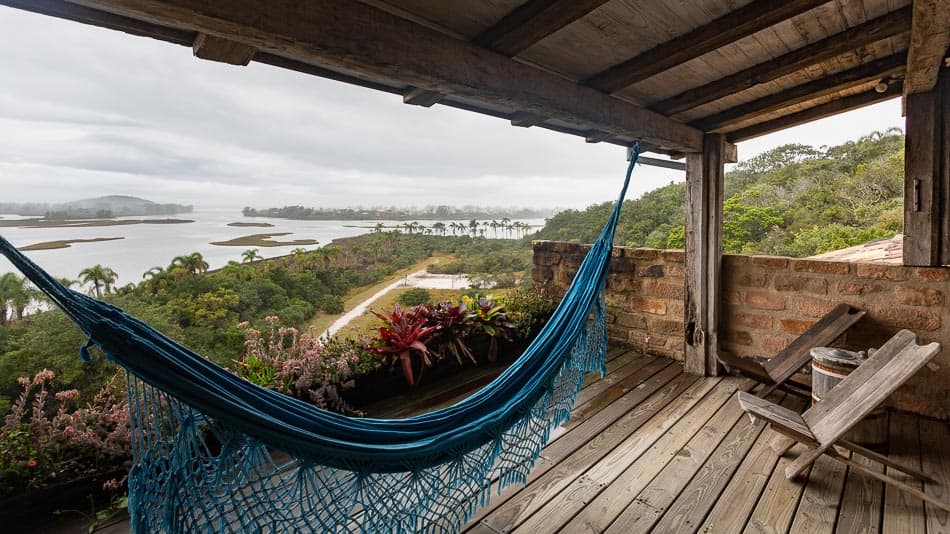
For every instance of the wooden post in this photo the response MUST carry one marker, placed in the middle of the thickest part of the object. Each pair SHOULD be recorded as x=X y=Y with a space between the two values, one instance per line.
x=704 y=191
x=926 y=188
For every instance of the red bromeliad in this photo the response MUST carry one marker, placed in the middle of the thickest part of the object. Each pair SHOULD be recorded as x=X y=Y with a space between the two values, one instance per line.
x=406 y=331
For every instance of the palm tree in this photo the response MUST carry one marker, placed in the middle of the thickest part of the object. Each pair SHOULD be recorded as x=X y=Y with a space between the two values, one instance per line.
x=250 y=255
x=473 y=227
x=439 y=227
x=15 y=295
x=378 y=229
x=193 y=263
x=154 y=279
x=100 y=277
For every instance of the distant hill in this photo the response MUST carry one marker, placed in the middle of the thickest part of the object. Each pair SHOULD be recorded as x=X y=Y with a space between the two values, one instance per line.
x=794 y=200
x=98 y=207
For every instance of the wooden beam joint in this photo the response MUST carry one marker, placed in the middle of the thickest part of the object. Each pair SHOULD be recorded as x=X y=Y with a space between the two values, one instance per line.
x=421 y=97
x=215 y=48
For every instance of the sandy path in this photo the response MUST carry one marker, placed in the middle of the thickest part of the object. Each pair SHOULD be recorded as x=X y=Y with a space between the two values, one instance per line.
x=416 y=279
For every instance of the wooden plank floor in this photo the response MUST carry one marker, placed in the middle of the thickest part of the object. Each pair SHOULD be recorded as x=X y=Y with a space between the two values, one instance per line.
x=651 y=449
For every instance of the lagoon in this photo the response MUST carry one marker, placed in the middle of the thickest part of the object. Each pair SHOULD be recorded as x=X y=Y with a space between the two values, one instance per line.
x=143 y=246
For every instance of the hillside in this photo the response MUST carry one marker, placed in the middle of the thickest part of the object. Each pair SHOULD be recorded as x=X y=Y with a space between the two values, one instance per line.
x=794 y=200
x=105 y=206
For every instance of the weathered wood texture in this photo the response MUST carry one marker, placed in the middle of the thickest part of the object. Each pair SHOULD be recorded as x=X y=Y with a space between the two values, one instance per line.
x=531 y=22
x=356 y=38
x=929 y=39
x=704 y=197
x=215 y=48
x=926 y=162
x=875 y=30
x=726 y=29
x=683 y=459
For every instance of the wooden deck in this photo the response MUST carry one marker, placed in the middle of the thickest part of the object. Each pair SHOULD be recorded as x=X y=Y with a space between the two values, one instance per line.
x=650 y=448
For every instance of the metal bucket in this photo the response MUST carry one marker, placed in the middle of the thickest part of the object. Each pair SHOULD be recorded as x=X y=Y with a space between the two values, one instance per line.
x=830 y=366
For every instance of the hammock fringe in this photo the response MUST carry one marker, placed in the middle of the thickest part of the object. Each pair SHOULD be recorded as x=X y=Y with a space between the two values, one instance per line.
x=214 y=453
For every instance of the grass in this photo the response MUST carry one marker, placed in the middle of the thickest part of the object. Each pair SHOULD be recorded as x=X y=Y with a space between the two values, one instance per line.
x=321 y=321
x=263 y=240
x=250 y=224
x=368 y=321
x=64 y=243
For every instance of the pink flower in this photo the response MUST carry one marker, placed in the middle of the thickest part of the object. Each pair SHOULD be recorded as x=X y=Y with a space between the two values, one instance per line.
x=69 y=394
x=31 y=463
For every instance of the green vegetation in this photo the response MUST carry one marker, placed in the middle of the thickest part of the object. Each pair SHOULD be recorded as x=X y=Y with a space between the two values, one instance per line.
x=415 y=296
x=99 y=207
x=397 y=214
x=794 y=200
x=65 y=243
x=263 y=240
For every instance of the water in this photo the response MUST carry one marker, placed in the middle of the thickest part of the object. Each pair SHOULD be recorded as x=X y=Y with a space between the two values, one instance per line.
x=152 y=245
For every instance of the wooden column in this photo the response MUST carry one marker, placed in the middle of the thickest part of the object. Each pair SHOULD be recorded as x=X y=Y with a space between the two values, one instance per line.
x=704 y=190
x=926 y=187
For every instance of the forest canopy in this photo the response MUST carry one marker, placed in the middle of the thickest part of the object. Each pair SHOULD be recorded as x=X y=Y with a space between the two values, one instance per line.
x=794 y=200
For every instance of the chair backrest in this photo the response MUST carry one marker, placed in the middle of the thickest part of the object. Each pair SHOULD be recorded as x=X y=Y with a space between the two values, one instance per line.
x=787 y=362
x=867 y=386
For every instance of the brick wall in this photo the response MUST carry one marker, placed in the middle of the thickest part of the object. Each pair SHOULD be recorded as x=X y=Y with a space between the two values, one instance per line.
x=767 y=302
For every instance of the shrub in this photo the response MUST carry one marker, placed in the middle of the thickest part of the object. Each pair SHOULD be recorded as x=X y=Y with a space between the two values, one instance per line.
x=415 y=297
x=331 y=304
x=528 y=308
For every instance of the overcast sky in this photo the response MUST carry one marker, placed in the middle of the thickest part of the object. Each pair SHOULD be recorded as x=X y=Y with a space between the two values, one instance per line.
x=87 y=112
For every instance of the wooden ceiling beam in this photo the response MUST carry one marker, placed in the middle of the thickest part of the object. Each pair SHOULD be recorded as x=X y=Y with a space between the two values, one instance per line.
x=361 y=40
x=223 y=50
x=731 y=27
x=893 y=23
x=95 y=17
x=421 y=97
x=526 y=120
x=929 y=39
x=532 y=21
x=879 y=69
x=818 y=112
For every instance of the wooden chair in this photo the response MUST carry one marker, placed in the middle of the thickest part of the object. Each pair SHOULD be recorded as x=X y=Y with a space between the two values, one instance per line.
x=775 y=371
x=821 y=427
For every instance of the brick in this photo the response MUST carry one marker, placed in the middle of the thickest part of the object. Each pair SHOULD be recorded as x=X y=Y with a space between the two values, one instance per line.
x=732 y=297
x=737 y=337
x=910 y=318
x=752 y=320
x=615 y=300
x=541 y=273
x=918 y=296
x=732 y=261
x=630 y=320
x=645 y=253
x=622 y=265
x=876 y=271
x=675 y=256
x=795 y=326
x=546 y=258
x=564 y=276
x=676 y=308
x=774 y=344
x=817 y=266
x=801 y=284
x=858 y=288
x=757 y=278
x=647 y=339
x=771 y=262
x=811 y=307
x=654 y=306
x=665 y=327
x=657 y=288
x=765 y=301
x=934 y=274
x=652 y=271
x=676 y=271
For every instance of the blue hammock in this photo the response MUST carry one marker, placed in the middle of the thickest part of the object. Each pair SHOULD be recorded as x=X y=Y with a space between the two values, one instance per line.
x=210 y=449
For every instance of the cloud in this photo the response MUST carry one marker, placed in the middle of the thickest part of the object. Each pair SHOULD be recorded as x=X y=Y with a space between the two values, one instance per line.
x=94 y=111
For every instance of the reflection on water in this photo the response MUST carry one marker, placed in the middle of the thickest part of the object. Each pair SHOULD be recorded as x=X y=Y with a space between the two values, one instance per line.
x=148 y=245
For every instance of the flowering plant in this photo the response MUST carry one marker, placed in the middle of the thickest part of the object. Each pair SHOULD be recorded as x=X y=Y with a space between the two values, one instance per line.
x=37 y=448
x=404 y=333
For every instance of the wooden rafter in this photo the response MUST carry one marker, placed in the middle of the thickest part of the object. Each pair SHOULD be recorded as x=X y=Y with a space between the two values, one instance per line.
x=226 y=51
x=532 y=21
x=421 y=97
x=879 y=69
x=893 y=23
x=929 y=39
x=818 y=112
x=360 y=40
x=728 y=28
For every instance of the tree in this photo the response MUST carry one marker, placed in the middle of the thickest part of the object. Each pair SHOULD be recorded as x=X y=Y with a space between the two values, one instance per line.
x=99 y=277
x=439 y=227
x=250 y=255
x=15 y=295
x=193 y=263
x=154 y=279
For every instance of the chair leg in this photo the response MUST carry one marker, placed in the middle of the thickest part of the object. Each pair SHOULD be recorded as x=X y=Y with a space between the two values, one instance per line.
x=867 y=453
x=781 y=444
x=887 y=480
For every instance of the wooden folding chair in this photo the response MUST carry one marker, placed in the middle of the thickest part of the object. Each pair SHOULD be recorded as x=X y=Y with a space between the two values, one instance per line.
x=775 y=371
x=822 y=426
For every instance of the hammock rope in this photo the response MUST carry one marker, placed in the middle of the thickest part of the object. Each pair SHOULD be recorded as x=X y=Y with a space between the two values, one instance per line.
x=210 y=449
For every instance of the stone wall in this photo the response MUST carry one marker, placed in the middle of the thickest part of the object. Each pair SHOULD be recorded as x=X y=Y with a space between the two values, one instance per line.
x=768 y=301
